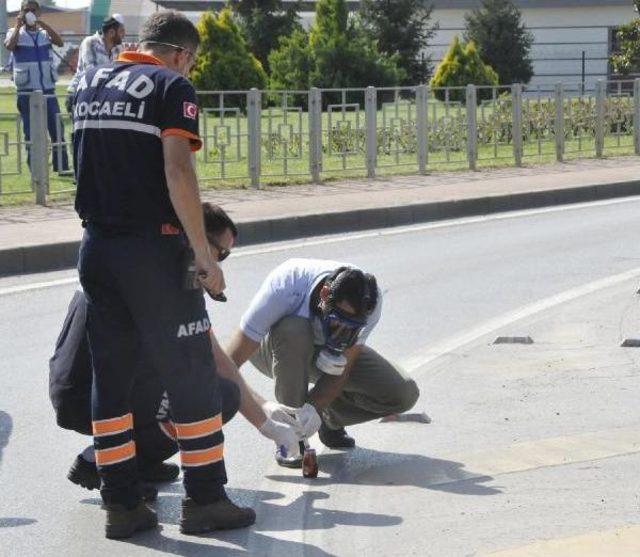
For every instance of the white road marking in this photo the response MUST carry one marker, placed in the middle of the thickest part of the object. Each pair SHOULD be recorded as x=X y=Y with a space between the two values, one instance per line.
x=623 y=541
x=37 y=286
x=348 y=237
x=451 y=344
x=542 y=453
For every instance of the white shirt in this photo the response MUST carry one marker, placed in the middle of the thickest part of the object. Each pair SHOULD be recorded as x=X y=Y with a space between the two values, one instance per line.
x=287 y=292
x=92 y=53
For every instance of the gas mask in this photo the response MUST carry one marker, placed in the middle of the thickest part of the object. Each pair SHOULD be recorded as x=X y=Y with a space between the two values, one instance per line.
x=340 y=332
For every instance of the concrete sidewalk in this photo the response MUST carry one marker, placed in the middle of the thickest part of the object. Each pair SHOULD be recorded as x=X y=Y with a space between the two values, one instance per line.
x=35 y=239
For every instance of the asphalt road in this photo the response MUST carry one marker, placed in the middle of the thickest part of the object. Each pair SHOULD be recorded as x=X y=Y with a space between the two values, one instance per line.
x=526 y=444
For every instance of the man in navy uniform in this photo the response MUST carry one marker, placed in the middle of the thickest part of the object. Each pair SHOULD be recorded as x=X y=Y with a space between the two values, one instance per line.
x=70 y=381
x=135 y=127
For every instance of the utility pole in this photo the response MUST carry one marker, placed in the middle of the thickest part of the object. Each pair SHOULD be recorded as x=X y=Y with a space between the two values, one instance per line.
x=4 y=54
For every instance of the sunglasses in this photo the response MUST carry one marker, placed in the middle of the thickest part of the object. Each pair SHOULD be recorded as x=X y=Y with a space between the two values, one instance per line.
x=223 y=253
x=177 y=47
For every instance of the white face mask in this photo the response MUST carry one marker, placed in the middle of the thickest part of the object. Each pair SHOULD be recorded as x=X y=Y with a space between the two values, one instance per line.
x=30 y=18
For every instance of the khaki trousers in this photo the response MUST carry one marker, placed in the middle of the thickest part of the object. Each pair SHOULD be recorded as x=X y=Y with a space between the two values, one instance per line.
x=375 y=387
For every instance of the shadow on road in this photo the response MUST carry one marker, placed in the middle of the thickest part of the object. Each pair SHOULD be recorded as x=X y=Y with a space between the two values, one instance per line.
x=265 y=545
x=271 y=518
x=281 y=518
x=377 y=468
x=6 y=425
x=298 y=515
x=13 y=522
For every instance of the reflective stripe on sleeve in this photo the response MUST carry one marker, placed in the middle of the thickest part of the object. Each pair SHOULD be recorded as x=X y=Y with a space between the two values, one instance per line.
x=195 y=141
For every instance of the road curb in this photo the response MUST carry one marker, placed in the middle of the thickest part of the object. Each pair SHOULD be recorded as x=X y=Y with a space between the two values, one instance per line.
x=56 y=256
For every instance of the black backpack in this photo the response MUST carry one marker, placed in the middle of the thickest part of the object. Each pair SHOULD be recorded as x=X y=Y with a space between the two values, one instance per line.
x=70 y=374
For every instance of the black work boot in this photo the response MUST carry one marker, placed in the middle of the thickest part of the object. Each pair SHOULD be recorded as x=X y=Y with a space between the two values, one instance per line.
x=219 y=515
x=123 y=522
x=290 y=461
x=85 y=474
x=336 y=438
x=160 y=473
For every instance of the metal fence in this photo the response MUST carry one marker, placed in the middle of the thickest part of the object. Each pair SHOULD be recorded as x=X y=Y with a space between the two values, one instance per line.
x=255 y=137
x=259 y=136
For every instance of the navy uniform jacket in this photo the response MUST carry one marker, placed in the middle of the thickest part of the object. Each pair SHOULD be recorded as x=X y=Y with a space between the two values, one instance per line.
x=121 y=112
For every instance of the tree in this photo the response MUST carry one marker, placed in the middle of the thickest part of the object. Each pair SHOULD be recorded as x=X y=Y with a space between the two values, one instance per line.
x=460 y=67
x=502 y=39
x=626 y=59
x=223 y=60
x=292 y=63
x=264 y=23
x=334 y=54
x=401 y=27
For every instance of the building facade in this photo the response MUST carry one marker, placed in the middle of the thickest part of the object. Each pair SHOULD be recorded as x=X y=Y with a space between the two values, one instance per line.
x=573 y=39
x=563 y=30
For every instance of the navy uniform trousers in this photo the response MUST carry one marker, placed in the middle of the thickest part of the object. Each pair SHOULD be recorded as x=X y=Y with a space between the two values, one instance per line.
x=71 y=377
x=135 y=302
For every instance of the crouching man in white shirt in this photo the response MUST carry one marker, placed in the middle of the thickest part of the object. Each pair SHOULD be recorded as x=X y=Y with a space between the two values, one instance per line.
x=308 y=323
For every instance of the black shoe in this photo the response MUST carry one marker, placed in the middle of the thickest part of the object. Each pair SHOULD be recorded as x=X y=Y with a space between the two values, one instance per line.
x=85 y=474
x=160 y=473
x=123 y=522
x=220 y=515
x=336 y=438
x=290 y=461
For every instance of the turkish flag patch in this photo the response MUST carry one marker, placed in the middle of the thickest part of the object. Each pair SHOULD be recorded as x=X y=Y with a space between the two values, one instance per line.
x=190 y=110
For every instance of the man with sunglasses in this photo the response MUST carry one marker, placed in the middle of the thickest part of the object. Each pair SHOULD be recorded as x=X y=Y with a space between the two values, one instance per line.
x=309 y=322
x=135 y=130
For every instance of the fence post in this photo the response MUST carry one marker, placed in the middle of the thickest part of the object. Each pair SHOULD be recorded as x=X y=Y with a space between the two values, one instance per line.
x=636 y=116
x=472 y=126
x=600 y=109
x=516 y=103
x=371 y=117
x=315 y=134
x=254 y=105
x=39 y=148
x=422 y=97
x=559 y=127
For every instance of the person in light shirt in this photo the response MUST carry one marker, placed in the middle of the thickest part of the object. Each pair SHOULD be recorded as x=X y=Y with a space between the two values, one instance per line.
x=309 y=323
x=102 y=47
